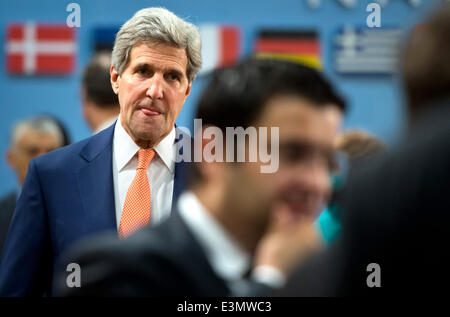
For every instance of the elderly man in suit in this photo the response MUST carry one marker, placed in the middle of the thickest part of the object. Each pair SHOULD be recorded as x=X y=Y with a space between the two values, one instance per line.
x=30 y=138
x=121 y=178
x=235 y=212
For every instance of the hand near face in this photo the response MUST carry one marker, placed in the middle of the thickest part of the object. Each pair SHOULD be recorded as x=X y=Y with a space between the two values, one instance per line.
x=290 y=239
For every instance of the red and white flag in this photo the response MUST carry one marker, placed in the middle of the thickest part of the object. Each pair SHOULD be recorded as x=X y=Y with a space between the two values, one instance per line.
x=38 y=49
x=220 y=46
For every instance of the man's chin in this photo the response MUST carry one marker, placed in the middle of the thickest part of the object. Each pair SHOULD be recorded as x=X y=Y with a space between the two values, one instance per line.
x=146 y=137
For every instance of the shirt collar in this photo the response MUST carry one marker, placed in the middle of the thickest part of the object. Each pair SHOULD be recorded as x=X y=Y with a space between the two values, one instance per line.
x=165 y=149
x=226 y=257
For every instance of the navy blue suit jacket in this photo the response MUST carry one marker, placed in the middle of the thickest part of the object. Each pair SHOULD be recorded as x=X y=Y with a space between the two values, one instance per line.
x=68 y=194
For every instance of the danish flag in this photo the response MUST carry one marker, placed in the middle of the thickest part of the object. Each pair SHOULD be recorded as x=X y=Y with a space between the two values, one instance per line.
x=38 y=49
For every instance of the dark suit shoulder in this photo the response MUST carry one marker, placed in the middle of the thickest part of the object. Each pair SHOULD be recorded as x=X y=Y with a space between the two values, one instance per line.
x=70 y=156
x=61 y=159
x=7 y=206
x=155 y=261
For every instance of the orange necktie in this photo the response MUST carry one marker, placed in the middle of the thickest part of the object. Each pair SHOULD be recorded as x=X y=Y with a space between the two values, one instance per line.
x=136 y=209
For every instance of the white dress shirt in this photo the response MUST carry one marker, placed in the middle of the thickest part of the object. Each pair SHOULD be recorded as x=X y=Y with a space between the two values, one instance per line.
x=160 y=173
x=228 y=260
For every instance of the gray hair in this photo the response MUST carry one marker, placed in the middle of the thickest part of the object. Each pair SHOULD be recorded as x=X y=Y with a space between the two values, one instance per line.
x=161 y=26
x=41 y=123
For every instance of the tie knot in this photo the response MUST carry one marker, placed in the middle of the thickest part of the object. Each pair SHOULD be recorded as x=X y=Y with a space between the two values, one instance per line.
x=145 y=156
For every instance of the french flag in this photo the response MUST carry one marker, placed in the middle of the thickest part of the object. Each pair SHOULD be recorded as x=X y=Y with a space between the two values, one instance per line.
x=40 y=49
x=220 y=46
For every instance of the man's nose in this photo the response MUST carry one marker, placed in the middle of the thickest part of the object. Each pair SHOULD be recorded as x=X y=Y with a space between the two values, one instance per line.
x=155 y=89
x=316 y=178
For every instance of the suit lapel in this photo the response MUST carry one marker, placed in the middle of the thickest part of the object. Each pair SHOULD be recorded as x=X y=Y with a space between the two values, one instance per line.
x=95 y=181
x=178 y=181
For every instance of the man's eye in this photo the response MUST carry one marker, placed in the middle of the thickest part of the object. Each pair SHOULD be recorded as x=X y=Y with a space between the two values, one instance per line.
x=173 y=77
x=293 y=153
x=143 y=71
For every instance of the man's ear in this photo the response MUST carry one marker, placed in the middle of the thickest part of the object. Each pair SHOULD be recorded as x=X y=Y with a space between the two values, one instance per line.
x=188 y=90
x=115 y=79
x=210 y=169
x=10 y=158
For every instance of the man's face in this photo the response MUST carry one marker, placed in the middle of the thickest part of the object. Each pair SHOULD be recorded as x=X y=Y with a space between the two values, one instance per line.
x=152 y=90
x=301 y=183
x=30 y=144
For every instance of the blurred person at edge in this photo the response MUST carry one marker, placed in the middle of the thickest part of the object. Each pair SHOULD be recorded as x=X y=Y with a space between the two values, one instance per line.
x=232 y=217
x=120 y=179
x=394 y=232
x=353 y=147
x=100 y=105
x=30 y=138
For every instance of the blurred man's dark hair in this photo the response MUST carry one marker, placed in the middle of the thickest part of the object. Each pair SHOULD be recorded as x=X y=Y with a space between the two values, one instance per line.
x=100 y=103
x=242 y=95
x=425 y=62
x=236 y=96
x=96 y=80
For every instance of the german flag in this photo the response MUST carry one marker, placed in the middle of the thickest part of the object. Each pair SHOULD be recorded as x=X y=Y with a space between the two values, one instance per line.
x=300 y=46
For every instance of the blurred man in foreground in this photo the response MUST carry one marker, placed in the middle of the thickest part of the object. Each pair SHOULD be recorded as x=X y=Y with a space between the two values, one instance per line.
x=233 y=215
x=396 y=210
x=29 y=138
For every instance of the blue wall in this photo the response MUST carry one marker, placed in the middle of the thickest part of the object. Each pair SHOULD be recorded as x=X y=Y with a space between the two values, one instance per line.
x=375 y=101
